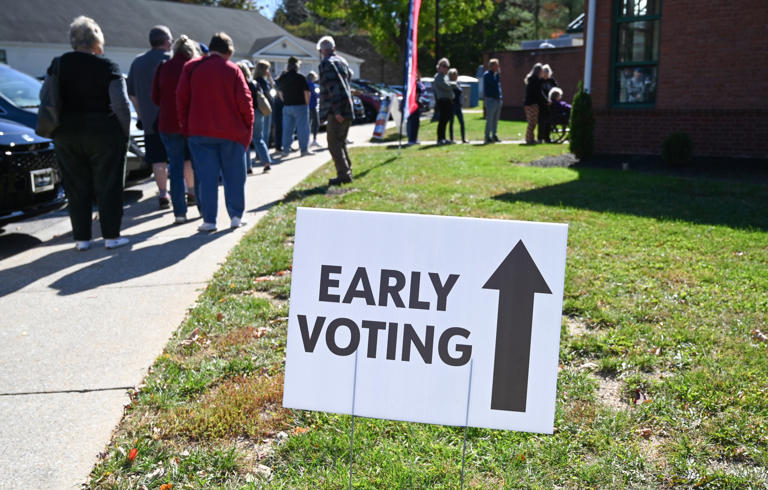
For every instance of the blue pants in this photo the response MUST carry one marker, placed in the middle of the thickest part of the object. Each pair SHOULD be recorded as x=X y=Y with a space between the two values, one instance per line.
x=175 y=146
x=214 y=157
x=296 y=117
x=492 y=113
x=266 y=128
x=258 y=138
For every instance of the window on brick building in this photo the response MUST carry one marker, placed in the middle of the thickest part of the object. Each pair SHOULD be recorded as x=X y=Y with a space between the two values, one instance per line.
x=635 y=56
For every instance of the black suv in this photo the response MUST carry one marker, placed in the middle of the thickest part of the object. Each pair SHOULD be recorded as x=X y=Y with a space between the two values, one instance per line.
x=20 y=98
x=30 y=183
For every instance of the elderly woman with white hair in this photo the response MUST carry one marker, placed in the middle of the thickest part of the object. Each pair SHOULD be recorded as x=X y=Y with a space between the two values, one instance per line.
x=92 y=137
x=548 y=82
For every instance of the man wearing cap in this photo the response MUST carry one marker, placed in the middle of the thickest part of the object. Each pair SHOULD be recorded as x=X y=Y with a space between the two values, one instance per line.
x=293 y=89
x=140 y=78
x=336 y=107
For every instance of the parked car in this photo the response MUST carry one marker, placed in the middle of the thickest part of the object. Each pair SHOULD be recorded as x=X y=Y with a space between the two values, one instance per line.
x=20 y=99
x=370 y=99
x=30 y=182
x=359 y=108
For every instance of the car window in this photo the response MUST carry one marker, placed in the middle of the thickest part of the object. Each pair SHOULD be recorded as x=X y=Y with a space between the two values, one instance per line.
x=21 y=89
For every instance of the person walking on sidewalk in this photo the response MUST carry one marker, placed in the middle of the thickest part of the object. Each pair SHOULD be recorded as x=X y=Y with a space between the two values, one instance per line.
x=293 y=89
x=458 y=100
x=492 y=93
x=216 y=115
x=140 y=77
x=444 y=96
x=164 y=96
x=91 y=141
x=336 y=107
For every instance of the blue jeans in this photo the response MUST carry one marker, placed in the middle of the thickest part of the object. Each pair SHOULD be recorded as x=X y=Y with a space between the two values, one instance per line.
x=296 y=117
x=492 y=113
x=174 y=146
x=266 y=127
x=258 y=138
x=214 y=157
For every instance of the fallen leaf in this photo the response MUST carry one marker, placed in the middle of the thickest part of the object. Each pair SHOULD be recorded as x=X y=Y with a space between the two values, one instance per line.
x=759 y=336
x=282 y=273
x=645 y=433
x=261 y=332
x=300 y=430
x=263 y=278
x=166 y=486
x=657 y=351
x=219 y=317
x=132 y=454
x=639 y=397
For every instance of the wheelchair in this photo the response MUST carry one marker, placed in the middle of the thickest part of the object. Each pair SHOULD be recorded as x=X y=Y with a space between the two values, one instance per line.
x=559 y=127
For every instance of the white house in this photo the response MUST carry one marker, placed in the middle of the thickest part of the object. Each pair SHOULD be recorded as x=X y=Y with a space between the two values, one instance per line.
x=33 y=32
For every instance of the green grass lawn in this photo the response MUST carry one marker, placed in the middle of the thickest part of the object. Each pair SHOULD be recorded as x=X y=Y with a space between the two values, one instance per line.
x=663 y=375
x=474 y=126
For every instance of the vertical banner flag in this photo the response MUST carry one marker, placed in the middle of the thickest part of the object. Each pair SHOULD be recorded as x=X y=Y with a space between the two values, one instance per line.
x=411 y=60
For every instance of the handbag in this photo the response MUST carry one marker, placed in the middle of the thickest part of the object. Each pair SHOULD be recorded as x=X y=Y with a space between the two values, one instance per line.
x=49 y=112
x=263 y=104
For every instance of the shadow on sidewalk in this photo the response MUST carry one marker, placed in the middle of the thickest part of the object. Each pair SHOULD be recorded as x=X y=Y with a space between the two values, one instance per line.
x=100 y=267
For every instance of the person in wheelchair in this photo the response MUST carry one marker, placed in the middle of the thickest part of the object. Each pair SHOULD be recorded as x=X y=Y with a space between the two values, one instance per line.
x=559 y=114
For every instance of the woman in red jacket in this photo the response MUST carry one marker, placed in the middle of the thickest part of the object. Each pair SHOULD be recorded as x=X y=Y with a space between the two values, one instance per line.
x=164 y=96
x=215 y=112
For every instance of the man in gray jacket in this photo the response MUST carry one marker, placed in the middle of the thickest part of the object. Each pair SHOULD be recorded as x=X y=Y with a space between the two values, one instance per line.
x=444 y=96
x=336 y=107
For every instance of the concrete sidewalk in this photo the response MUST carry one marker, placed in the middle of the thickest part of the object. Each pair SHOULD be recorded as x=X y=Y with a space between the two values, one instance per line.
x=80 y=328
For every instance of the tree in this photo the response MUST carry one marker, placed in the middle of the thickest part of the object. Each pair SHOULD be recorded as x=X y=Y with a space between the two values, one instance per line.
x=386 y=21
x=291 y=12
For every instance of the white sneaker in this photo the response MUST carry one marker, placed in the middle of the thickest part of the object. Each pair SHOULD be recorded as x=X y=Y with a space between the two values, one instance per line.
x=206 y=227
x=315 y=144
x=237 y=222
x=83 y=245
x=180 y=220
x=115 y=242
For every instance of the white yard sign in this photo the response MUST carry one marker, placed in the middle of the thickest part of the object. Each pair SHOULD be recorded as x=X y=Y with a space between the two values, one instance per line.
x=414 y=298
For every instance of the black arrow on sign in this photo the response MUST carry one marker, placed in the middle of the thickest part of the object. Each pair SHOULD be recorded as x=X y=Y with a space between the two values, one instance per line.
x=517 y=280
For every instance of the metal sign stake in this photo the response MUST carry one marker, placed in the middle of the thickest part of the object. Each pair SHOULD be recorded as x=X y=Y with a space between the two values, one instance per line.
x=466 y=422
x=352 y=430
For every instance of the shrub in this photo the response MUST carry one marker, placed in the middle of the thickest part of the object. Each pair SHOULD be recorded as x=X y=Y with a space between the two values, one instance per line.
x=677 y=149
x=582 y=140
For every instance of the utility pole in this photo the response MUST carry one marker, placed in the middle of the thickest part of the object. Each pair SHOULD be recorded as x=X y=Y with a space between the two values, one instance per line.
x=437 y=30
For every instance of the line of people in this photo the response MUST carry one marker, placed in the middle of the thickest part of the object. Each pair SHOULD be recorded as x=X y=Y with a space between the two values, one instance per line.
x=543 y=104
x=200 y=114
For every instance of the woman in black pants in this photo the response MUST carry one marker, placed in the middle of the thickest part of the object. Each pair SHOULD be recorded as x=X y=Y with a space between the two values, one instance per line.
x=458 y=100
x=548 y=82
x=444 y=96
x=92 y=139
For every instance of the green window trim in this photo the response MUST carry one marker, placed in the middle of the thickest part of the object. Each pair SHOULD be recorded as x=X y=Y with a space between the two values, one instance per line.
x=652 y=65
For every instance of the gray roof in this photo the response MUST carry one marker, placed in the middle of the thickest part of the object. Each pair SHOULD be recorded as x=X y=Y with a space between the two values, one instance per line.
x=126 y=23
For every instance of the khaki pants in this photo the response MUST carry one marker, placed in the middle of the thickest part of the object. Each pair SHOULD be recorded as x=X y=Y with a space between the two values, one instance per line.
x=336 y=132
x=532 y=116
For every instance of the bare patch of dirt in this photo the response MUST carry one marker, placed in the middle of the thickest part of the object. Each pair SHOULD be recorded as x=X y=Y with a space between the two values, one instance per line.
x=576 y=327
x=609 y=393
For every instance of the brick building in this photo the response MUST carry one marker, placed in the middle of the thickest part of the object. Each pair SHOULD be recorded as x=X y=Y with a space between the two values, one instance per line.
x=567 y=64
x=684 y=65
